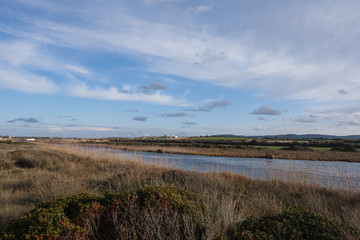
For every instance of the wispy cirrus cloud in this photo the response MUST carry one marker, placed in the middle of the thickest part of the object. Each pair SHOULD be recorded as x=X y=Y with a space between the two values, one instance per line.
x=18 y=52
x=24 y=81
x=29 y=55
x=77 y=69
x=20 y=58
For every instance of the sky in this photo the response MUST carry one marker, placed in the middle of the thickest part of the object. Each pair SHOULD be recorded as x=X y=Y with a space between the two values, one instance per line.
x=128 y=68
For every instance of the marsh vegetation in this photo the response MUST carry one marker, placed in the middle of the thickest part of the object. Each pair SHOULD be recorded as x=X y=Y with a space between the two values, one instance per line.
x=73 y=192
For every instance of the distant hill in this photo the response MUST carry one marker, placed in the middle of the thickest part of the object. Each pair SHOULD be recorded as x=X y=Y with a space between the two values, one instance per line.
x=295 y=136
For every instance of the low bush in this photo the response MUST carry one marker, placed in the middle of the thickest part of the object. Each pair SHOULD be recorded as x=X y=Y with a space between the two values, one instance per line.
x=147 y=213
x=52 y=220
x=344 y=148
x=299 y=224
x=24 y=163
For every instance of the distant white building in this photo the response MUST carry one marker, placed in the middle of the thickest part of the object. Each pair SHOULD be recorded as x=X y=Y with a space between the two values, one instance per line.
x=170 y=136
x=30 y=140
x=5 y=138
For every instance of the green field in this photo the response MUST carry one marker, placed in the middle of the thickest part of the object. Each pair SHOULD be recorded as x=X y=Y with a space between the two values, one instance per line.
x=269 y=147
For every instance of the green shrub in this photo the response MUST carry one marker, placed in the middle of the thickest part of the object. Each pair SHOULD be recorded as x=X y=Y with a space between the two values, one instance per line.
x=344 y=148
x=147 y=213
x=291 y=224
x=52 y=220
x=162 y=212
x=24 y=163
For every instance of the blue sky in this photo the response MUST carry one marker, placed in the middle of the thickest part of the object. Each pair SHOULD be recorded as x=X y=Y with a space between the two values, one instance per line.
x=131 y=68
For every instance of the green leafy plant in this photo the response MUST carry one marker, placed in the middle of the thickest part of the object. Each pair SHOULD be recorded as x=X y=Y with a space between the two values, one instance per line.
x=148 y=212
x=52 y=220
x=296 y=224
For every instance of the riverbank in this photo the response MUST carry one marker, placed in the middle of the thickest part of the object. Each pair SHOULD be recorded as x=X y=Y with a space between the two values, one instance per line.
x=32 y=174
x=244 y=153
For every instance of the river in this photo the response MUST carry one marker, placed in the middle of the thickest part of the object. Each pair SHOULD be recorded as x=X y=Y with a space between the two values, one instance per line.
x=331 y=174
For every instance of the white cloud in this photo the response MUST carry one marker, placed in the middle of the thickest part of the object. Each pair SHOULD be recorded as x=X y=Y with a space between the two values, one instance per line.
x=19 y=58
x=209 y=56
x=261 y=128
x=77 y=69
x=17 y=52
x=26 y=82
x=26 y=54
x=55 y=129
x=89 y=128
x=200 y=9
x=309 y=51
x=21 y=62
x=112 y=93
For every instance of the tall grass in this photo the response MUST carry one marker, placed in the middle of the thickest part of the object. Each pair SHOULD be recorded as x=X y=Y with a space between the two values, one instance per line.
x=42 y=173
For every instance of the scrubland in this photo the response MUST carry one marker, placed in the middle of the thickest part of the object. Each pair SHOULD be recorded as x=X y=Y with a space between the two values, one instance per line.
x=86 y=189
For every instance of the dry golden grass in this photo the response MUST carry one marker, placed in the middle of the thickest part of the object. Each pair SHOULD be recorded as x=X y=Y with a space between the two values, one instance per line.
x=42 y=173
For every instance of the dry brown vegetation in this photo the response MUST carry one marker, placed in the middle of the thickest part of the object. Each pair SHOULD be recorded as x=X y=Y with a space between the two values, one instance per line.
x=32 y=174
